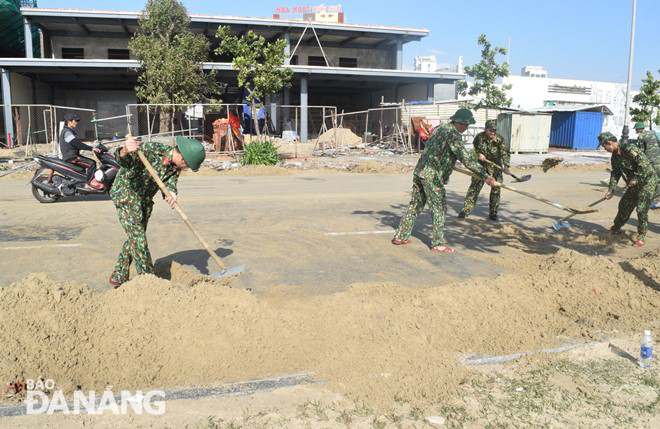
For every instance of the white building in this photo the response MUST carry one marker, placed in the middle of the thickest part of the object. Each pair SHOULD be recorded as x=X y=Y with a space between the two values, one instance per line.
x=426 y=64
x=534 y=71
x=530 y=93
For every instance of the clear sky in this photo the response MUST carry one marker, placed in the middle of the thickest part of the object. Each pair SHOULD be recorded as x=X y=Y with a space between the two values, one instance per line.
x=572 y=39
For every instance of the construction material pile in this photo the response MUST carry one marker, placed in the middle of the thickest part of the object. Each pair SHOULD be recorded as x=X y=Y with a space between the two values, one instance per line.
x=372 y=342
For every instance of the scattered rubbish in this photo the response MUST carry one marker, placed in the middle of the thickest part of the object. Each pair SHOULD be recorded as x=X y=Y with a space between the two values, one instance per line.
x=436 y=420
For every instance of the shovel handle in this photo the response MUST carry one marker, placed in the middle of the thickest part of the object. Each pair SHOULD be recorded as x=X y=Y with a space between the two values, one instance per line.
x=590 y=205
x=500 y=167
x=167 y=193
x=527 y=194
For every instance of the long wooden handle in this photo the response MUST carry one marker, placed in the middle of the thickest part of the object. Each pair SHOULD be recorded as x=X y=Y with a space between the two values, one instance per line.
x=596 y=203
x=590 y=205
x=167 y=193
x=527 y=194
x=500 y=167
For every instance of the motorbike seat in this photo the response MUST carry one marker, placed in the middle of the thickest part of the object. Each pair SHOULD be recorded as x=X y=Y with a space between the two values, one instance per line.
x=62 y=163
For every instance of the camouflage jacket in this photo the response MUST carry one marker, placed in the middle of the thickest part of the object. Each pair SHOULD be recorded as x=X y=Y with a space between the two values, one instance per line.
x=629 y=162
x=648 y=142
x=134 y=181
x=442 y=150
x=494 y=150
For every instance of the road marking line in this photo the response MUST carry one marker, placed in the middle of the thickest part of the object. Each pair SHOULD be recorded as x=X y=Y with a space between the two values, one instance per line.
x=39 y=247
x=359 y=232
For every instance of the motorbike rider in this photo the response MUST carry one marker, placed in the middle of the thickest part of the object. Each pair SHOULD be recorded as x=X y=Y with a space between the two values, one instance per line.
x=71 y=145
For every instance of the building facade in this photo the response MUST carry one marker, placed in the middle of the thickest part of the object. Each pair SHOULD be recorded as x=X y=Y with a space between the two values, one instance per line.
x=84 y=62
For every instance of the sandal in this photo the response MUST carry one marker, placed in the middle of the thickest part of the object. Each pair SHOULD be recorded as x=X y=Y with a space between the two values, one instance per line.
x=638 y=243
x=442 y=249
x=113 y=283
x=400 y=241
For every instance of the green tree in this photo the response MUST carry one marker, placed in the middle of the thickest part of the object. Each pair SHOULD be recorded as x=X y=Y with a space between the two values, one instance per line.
x=648 y=100
x=259 y=64
x=171 y=59
x=485 y=73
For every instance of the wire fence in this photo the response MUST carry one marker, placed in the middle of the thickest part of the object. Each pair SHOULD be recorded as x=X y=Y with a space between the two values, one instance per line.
x=227 y=127
x=210 y=123
x=40 y=124
x=382 y=127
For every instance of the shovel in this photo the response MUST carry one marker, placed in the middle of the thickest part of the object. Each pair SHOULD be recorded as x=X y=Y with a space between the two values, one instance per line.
x=571 y=210
x=224 y=272
x=525 y=178
x=564 y=223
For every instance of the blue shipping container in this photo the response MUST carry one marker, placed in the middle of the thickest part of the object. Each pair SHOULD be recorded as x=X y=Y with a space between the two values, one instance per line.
x=576 y=130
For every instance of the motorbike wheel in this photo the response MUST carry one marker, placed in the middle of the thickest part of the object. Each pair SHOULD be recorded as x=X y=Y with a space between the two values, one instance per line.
x=40 y=195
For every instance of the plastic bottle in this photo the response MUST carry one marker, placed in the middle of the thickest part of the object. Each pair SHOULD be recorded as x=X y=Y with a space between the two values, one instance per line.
x=646 y=351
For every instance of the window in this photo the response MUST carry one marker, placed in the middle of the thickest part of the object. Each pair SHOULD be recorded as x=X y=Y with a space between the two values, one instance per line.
x=73 y=53
x=118 y=54
x=316 y=61
x=294 y=61
x=348 y=62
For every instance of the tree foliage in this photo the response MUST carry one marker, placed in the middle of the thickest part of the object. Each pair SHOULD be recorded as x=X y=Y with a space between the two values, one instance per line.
x=258 y=62
x=171 y=56
x=485 y=73
x=648 y=100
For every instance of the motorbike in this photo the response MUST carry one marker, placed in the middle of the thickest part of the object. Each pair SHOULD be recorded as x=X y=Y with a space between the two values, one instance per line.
x=56 y=178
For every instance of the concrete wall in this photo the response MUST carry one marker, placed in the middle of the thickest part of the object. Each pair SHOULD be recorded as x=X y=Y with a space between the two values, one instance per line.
x=417 y=92
x=444 y=91
x=21 y=89
x=43 y=93
x=106 y=103
x=95 y=47
x=366 y=58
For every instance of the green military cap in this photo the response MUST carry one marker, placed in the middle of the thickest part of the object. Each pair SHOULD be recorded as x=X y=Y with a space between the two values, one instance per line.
x=606 y=137
x=491 y=124
x=463 y=116
x=639 y=125
x=192 y=151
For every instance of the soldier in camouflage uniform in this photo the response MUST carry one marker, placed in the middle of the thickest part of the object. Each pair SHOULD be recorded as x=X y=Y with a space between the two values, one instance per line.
x=648 y=142
x=432 y=172
x=629 y=162
x=133 y=191
x=488 y=145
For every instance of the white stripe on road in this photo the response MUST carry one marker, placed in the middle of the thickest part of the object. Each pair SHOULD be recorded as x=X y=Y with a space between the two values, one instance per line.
x=39 y=247
x=359 y=232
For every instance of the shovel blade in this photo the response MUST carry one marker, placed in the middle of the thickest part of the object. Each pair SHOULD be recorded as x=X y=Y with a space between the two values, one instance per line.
x=557 y=226
x=233 y=271
x=525 y=178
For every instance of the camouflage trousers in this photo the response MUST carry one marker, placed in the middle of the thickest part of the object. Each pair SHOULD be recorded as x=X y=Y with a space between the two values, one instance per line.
x=423 y=191
x=638 y=197
x=134 y=218
x=475 y=188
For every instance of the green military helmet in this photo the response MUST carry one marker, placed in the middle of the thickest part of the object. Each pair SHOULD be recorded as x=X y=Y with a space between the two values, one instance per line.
x=192 y=151
x=606 y=137
x=639 y=125
x=491 y=124
x=463 y=116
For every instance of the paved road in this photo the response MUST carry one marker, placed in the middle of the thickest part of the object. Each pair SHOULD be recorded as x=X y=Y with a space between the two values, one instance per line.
x=287 y=229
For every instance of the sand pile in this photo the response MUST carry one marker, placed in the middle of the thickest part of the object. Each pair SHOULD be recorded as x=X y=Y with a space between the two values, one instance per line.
x=373 y=342
x=339 y=137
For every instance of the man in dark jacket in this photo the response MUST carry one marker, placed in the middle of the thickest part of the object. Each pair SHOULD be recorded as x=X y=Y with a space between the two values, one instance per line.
x=71 y=145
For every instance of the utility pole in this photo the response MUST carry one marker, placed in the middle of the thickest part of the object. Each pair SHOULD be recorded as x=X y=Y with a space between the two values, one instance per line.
x=624 y=134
